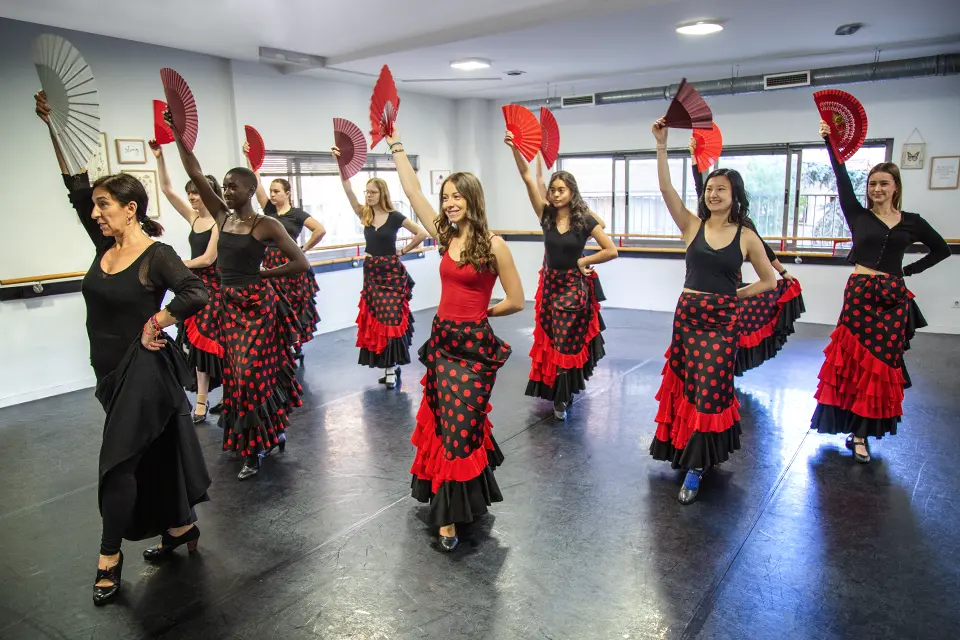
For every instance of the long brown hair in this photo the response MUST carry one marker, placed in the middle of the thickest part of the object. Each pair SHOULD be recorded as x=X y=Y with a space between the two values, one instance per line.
x=477 y=250
x=893 y=170
x=366 y=215
x=578 y=208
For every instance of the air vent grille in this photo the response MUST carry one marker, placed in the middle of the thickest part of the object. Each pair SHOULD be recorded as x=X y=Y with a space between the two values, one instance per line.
x=568 y=102
x=786 y=80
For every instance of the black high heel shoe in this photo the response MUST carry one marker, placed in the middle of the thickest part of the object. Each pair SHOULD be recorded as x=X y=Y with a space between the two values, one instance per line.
x=281 y=444
x=103 y=595
x=198 y=418
x=250 y=469
x=190 y=537
x=396 y=372
x=852 y=445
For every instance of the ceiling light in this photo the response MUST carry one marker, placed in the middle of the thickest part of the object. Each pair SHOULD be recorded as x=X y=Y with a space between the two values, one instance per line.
x=700 y=28
x=470 y=64
x=848 y=29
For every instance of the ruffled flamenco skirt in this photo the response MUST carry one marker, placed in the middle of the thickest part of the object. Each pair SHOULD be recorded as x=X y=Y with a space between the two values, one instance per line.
x=199 y=336
x=148 y=415
x=766 y=321
x=698 y=419
x=863 y=375
x=456 y=452
x=567 y=343
x=260 y=388
x=300 y=290
x=384 y=321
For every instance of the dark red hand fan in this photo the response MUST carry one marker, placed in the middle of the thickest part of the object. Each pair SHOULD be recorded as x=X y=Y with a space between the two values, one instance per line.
x=550 y=137
x=847 y=120
x=526 y=131
x=182 y=106
x=257 y=149
x=353 y=147
x=384 y=106
x=709 y=146
x=688 y=109
x=161 y=131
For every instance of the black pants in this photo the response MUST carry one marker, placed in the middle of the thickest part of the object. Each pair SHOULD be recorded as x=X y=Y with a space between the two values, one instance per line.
x=117 y=503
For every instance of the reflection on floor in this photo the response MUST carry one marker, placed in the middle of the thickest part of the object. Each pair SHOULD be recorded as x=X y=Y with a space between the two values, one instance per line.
x=790 y=539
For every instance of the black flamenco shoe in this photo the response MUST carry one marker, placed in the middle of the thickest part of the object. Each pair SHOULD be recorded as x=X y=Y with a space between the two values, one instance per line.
x=197 y=418
x=449 y=543
x=191 y=538
x=217 y=408
x=862 y=459
x=691 y=486
x=383 y=380
x=103 y=595
x=251 y=467
x=281 y=444
x=560 y=410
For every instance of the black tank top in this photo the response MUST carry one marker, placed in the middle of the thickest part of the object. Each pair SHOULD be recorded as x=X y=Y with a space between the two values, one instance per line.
x=238 y=257
x=713 y=271
x=198 y=241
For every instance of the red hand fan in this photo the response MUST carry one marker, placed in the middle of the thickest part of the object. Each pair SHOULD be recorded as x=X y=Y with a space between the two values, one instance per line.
x=353 y=147
x=161 y=131
x=709 y=146
x=182 y=106
x=526 y=131
x=384 y=105
x=688 y=109
x=847 y=120
x=550 y=134
x=257 y=149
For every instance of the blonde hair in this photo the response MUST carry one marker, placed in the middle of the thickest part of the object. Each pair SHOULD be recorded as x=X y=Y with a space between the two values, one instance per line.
x=366 y=214
x=477 y=250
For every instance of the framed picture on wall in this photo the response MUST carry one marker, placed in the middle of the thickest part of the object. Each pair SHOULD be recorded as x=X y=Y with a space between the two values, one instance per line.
x=99 y=164
x=913 y=155
x=436 y=180
x=148 y=177
x=131 y=151
x=945 y=172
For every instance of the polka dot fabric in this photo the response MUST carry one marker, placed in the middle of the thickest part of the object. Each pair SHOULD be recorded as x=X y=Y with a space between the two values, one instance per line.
x=698 y=420
x=300 y=290
x=384 y=322
x=863 y=376
x=766 y=321
x=259 y=385
x=202 y=331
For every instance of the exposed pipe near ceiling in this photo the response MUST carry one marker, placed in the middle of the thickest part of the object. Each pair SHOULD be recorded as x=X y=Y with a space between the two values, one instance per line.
x=938 y=65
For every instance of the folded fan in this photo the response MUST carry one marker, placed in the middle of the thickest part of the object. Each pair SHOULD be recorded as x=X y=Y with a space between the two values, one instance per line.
x=71 y=93
x=182 y=106
x=257 y=150
x=550 y=133
x=847 y=119
x=353 y=147
x=161 y=130
x=688 y=109
x=526 y=131
x=709 y=146
x=384 y=106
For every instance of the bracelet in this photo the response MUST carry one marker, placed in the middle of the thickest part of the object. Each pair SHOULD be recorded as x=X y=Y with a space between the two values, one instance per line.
x=784 y=272
x=396 y=144
x=400 y=150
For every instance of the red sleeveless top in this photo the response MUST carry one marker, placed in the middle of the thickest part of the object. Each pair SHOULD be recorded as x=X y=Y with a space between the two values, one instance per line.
x=464 y=293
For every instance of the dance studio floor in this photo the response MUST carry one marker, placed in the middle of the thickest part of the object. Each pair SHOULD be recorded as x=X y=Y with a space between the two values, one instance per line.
x=790 y=539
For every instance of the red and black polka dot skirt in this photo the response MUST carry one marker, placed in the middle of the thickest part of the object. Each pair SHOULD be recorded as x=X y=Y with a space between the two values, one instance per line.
x=456 y=452
x=863 y=375
x=766 y=322
x=698 y=420
x=202 y=331
x=567 y=343
x=384 y=322
x=260 y=388
x=300 y=290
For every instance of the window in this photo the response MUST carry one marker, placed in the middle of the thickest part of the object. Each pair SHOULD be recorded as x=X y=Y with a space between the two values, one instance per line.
x=316 y=188
x=791 y=187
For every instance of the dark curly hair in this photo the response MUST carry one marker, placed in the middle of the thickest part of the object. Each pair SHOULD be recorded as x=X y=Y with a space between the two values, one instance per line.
x=739 y=208
x=578 y=208
x=125 y=189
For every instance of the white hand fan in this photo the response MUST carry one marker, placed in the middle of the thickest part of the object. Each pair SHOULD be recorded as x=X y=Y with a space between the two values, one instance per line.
x=71 y=92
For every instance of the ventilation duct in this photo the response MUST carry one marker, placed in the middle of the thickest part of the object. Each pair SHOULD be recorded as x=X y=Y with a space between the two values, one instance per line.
x=939 y=65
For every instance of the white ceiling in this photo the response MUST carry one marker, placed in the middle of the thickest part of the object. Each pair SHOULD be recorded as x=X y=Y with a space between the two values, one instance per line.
x=563 y=46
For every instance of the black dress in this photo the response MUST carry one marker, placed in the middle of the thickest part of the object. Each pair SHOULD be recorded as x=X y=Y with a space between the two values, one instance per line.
x=300 y=289
x=142 y=391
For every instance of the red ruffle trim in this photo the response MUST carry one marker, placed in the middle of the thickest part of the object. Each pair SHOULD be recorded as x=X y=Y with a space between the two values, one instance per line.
x=749 y=340
x=546 y=359
x=201 y=341
x=854 y=379
x=372 y=334
x=678 y=418
x=434 y=463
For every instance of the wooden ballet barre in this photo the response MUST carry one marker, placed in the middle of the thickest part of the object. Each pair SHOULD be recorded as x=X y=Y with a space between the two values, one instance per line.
x=342 y=259
x=43 y=278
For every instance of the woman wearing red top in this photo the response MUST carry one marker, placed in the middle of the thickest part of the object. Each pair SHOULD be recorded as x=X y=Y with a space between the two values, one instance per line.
x=863 y=377
x=456 y=452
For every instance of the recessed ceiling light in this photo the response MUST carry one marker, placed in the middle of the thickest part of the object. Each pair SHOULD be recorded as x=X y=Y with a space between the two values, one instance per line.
x=700 y=28
x=848 y=29
x=470 y=64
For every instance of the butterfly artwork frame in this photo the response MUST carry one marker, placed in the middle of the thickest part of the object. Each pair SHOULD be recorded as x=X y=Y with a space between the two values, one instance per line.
x=913 y=155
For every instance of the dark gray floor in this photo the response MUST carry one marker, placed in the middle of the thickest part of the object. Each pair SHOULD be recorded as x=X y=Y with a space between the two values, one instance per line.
x=790 y=539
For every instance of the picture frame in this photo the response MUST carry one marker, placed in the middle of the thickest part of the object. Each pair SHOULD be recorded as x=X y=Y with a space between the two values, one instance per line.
x=944 y=172
x=99 y=164
x=913 y=155
x=148 y=177
x=131 y=150
x=437 y=176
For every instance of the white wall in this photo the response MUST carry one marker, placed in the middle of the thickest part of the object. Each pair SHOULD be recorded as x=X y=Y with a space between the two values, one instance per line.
x=45 y=350
x=894 y=108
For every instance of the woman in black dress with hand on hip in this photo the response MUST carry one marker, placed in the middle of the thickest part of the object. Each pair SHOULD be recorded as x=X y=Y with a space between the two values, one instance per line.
x=152 y=471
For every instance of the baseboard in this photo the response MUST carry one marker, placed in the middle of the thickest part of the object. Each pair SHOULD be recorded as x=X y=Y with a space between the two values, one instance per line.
x=38 y=394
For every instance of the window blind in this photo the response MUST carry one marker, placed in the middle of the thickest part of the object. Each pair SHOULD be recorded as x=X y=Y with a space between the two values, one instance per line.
x=309 y=163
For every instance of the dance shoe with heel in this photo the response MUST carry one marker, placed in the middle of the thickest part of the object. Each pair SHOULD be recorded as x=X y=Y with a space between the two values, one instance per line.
x=691 y=485
x=103 y=595
x=386 y=378
x=861 y=458
x=190 y=537
x=251 y=466
x=200 y=417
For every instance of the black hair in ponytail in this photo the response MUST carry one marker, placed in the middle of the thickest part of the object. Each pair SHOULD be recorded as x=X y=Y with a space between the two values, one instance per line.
x=125 y=189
